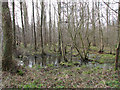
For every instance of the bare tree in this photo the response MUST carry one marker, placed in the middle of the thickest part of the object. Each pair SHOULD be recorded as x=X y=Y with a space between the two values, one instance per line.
x=14 y=29
x=35 y=39
x=59 y=27
x=23 y=29
x=93 y=23
x=42 y=11
x=118 y=48
x=50 y=26
x=7 y=62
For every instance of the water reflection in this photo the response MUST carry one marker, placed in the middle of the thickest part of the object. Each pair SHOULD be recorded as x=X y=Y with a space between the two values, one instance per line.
x=56 y=60
x=41 y=60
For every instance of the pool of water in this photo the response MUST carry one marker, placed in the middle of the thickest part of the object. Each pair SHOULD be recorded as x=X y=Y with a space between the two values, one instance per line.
x=55 y=60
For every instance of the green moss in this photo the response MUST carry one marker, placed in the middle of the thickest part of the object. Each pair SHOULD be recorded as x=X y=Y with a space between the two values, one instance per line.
x=78 y=68
x=50 y=65
x=83 y=66
x=20 y=72
x=94 y=48
x=93 y=62
x=60 y=87
x=106 y=58
x=66 y=64
x=113 y=83
x=101 y=62
x=38 y=67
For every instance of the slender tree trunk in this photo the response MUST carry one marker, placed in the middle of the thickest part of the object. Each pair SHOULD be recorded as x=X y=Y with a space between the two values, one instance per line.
x=14 y=29
x=45 y=28
x=54 y=28
x=35 y=39
x=26 y=23
x=117 y=57
x=31 y=27
x=100 y=32
x=107 y=22
x=50 y=25
x=23 y=30
x=42 y=11
x=93 y=24
x=59 y=27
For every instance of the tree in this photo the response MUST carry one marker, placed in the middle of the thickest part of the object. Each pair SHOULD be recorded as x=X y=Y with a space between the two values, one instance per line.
x=14 y=30
x=23 y=29
x=100 y=31
x=118 y=48
x=35 y=39
x=45 y=28
x=7 y=62
x=59 y=28
x=93 y=23
x=50 y=25
x=42 y=11
x=26 y=23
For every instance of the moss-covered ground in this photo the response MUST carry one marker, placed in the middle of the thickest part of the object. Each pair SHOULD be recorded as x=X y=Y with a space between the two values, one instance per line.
x=68 y=75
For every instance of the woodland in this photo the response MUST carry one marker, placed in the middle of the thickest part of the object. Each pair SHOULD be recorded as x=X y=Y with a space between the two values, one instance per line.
x=60 y=44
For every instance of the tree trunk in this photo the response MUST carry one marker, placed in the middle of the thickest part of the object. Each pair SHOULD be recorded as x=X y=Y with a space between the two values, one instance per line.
x=50 y=36
x=42 y=11
x=45 y=29
x=7 y=62
x=118 y=49
x=117 y=57
x=59 y=28
x=26 y=23
x=100 y=33
x=93 y=24
x=35 y=40
x=14 y=29
x=23 y=31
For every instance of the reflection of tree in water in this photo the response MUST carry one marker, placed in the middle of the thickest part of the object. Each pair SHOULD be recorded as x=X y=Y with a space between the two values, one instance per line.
x=42 y=60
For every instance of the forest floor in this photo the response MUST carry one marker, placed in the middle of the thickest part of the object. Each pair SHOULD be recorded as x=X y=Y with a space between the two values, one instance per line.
x=66 y=76
x=70 y=77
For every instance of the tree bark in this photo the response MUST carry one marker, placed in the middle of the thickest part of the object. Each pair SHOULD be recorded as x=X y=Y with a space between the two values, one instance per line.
x=59 y=28
x=117 y=57
x=93 y=24
x=35 y=39
x=50 y=35
x=118 y=48
x=14 y=29
x=42 y=11
x=7 y=62
x=23 y=30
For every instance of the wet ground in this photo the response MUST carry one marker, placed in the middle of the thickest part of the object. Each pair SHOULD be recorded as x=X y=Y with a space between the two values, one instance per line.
x=54 y=60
